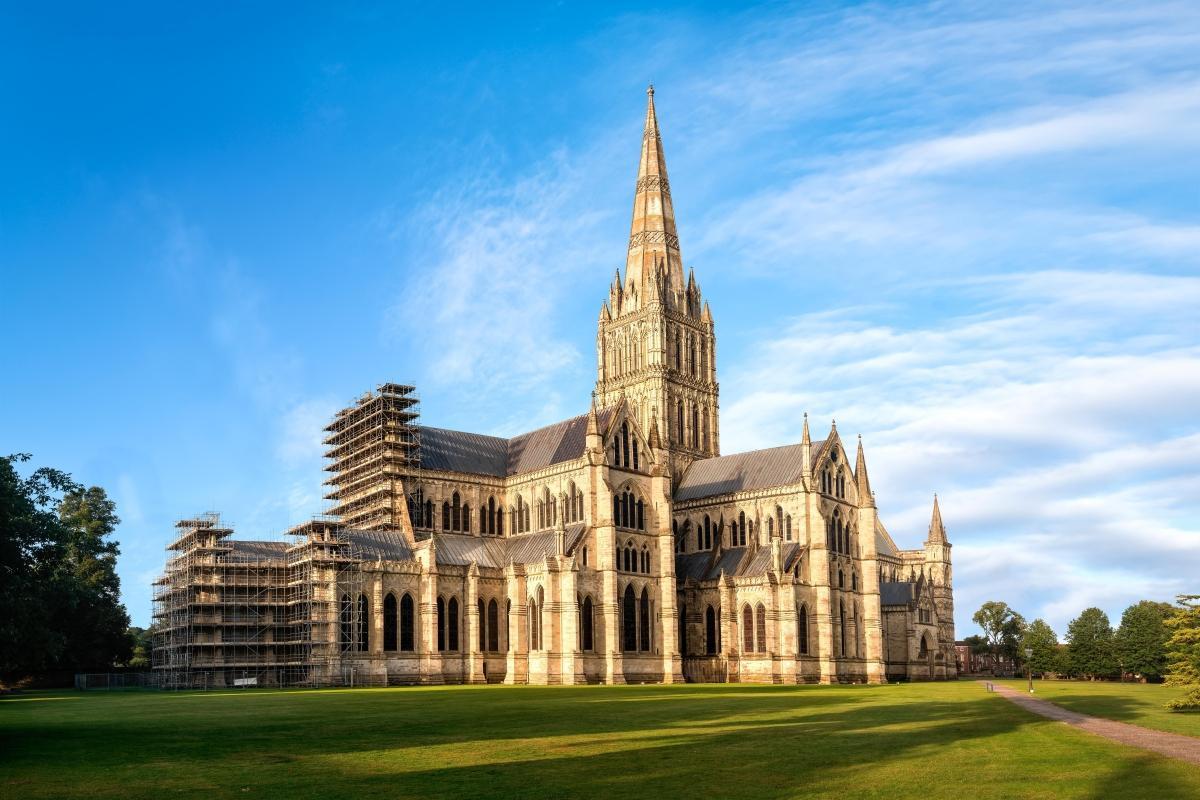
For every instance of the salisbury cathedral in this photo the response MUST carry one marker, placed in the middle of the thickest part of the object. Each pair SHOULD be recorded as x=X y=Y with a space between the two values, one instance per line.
x=617 y=546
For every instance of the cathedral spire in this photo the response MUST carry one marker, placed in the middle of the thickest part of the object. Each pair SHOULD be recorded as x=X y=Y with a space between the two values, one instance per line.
x=862 y=482
x=937 y=531
x=652 y=234
x=806 y=449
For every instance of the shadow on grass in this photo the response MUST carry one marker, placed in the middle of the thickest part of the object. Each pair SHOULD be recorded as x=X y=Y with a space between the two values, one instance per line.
x=722 y=741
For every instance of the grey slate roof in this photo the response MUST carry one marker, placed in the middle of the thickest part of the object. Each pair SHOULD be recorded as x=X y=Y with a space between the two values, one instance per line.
x=375 y=545
x=757 y=469
x=527 y=548
x=895 y=593
x=477 y=454
x=248 y=550
x=733 y=561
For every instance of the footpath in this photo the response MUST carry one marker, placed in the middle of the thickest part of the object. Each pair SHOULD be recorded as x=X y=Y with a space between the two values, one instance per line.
x=1174 y=745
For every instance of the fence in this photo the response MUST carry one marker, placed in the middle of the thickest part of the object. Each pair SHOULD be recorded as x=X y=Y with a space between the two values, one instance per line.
x=118 y=680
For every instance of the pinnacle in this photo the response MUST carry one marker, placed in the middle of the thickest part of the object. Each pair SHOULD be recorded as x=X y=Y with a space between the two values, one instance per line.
x=937 y=531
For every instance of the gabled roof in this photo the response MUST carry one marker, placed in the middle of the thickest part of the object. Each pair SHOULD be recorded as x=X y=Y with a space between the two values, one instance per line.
x=733 y=561
x=376 y=545
x=455 y=549
x=477 y=454
x=756 y=469
x=245 y=550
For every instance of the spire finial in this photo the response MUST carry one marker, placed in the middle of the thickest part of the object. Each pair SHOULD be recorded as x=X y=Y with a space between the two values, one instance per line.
x=650 y=89
x=937 y=531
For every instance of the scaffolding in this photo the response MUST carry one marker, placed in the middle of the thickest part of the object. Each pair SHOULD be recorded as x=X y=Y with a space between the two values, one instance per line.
x=220 y=609
x=374 y=448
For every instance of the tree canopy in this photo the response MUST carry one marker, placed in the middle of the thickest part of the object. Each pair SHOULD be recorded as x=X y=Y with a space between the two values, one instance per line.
x=1140 y=643
x=1090 y=645
x=1183 y=651
x=1043 y=641
x=60 y=592
x=1002 y=628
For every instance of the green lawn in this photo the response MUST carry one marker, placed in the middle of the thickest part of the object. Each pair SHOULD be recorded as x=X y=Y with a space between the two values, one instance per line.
x=924 y=741
x=1136 y=703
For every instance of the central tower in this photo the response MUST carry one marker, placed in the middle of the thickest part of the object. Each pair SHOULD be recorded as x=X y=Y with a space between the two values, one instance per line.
x=655 y=343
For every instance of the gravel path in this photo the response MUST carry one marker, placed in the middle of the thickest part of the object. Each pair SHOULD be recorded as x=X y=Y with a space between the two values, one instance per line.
x=1185 y=748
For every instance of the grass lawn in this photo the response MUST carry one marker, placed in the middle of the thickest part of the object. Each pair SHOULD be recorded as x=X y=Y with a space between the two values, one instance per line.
x=948 y=740
x=1136 y=703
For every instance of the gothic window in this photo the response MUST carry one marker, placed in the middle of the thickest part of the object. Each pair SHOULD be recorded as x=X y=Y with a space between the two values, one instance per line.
x=493 y=626
x=585 y=557
x=841 y=580
x=455 y=513
x=625 y=444
x=802 y=630
x=389 y=622
x=710 y=631
x=635 y=454
x=699 y=537
x=629 y=559
x=923 y=652
x=466 y=518
x=629 y=619
x=645 y=619
x=707 y=533
x=683 y=643
x=491 y=515
x=441 y=624
x=500 y=521
x=445 y=516
x=645 y=561
x=553 y=511
x=788 y=527
x=695 y=425
x=842 y=626
x=854 y=581
x=428 y=517
x=364 y=623
x=346 y=623
x=741 y=528
x=692 y=354
x=679 y=422
x=586 y=626
x=678 y=350
x=407 y=626
x=760 y=628
x=641 y=515
x=616 y=460
x=533 y=625
x=482 y=623
x=770 y=528
x=525 y=520
x=452 y=624
x=747 y=628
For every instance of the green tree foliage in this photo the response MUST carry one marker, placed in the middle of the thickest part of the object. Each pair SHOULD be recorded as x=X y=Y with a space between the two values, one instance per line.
x=1002 y=628
x=1140 y=643
x=142 y=641
x=1043 y=641
x=1183 y=652
x=1090 y=645
x=58 y=583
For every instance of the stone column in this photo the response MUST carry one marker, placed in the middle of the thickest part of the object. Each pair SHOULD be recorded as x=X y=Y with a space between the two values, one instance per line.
x=517 y=658
x=474 y=660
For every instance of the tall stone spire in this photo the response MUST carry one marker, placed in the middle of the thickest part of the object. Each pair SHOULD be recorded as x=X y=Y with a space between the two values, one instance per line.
x=653 y=240
x=937 y=531
x=862 y=482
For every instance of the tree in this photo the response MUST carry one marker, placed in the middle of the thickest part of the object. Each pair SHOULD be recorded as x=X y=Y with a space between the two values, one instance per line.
x=1140 y=644
x=1183 y=652
x=93 y=619
x=142 y=642
x=1090 y=645
x=1002 y=629
x=1043 y=641
x=59 y=593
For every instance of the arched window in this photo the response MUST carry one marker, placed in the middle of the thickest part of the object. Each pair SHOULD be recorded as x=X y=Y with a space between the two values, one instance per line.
x=588 y=634
x=533 y=625
x=491 y=515
x=455 y=513
x=407 y=624
x=483 y=520
x=452 y=624
x=466 y=518
x=707 y=533
x=585 y=556
x=645 y=619
x=364 y=623
x=802 y=630
x=770 y=528
x=482 y=623
x=625 y=444
x=553 y=510
x=500 y=521
x=854 y=581
x=747 y=628
x=641 y=515
x=629 y=619
x=428 y=516
x=441 y=624
x=842 y=625
x=760 y=627
x=699 y=537
x=841 y=579
x=742 y=528
x=445 y=516
x=389 y=622
x=788 y=527
x=346 y=626
x=636 y=465
x=493 y=626
x=679 y=421
x=541 y=613
x=710 y=631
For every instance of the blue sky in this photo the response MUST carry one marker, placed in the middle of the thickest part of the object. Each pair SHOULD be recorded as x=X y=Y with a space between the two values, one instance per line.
x=966 y=230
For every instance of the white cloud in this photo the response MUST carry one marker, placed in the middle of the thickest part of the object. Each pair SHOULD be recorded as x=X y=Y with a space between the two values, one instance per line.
x=1055 y=415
